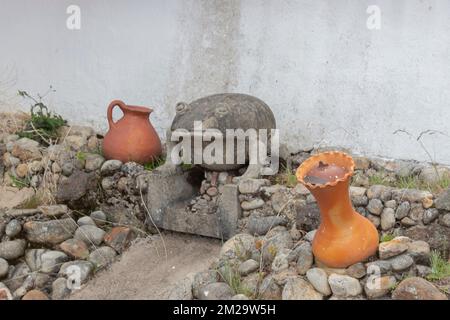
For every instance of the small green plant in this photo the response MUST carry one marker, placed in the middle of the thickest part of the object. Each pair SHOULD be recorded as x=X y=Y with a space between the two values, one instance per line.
x=81 y=156
x=20 y=183
x=152 y=165
x=387 y=237
x=440 y=267
x=231 y=276
x=187 y=166
x=286 y=177
x=379 y=178
x=43 y=125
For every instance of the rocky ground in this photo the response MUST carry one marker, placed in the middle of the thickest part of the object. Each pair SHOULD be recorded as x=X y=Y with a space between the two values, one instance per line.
x=66 y=214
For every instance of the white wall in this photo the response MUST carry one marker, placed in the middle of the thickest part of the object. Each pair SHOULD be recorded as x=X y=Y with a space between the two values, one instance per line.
x=328 y=78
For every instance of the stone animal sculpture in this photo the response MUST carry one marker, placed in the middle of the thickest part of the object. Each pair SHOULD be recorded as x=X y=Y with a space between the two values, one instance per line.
x=221 y=112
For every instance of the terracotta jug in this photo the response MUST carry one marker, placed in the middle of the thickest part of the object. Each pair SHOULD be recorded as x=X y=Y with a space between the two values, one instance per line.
x=344 y=236
x=132 y=138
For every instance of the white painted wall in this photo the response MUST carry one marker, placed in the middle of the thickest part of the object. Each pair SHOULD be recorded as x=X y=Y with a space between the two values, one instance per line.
x=328 y=79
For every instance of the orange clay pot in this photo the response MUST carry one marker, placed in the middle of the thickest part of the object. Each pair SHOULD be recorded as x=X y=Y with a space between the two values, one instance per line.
x=344 y=236
x=132 y=138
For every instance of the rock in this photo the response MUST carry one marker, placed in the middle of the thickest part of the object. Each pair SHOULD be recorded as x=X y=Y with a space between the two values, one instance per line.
x=416 y=212
x=437 y=236
x=52 y=261
x=110 y=167
x=298 y=289
x=75 y=248
x=276 y=240
x=419 y=251
x=26 y=285
x=344 y=286
x=423 y=271
x=415 y=288
x=11 y=250
x=357 y=270
x=269 y=289
x=240 y=296
x=387 y=220
x=201 y=279
x=99 y=217
x=35 y=295
x=261 y=225
x=93 y=162
x=300 y=190
x=240 y=244
x=310 y=235
x=248 y=267
x=393 y=248
x=411 y=195
x=54 y=211
x=319 y=280
x=56 y=168
x=252 y=186
x=357 y=191
x=401 y=262
x=216 y=291
x=119 y=238
x=374 y=219
x=360 y=201
x=79 y=131
x=78 y=268
x=430 y=215
x=213 y=191
x=26 y=149
x=361 y=163
x=377 y=287
x=75 y=188
x=11 y=197
x=305 y=258
x=379 y=192
x=83 y=221
x=280 y=262
x=49 y=232
x=308 y=217
x=375 y=206
x=280 y=200
x=443 y=201
x=75 y=142
x=60 y=290
x=445 y=220
x=67 y=169
x=391 y=204
x=408 y=222
x=13 y=228
x=102 y=257
x=91 y=235
x=22 y=170
x=252 y=204
x=5 y=293
x=33 y=258
x=433 y=174
x=402 y=210
x=4 y=266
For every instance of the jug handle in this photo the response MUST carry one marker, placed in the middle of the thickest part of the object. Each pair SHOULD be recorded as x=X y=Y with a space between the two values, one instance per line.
x=111 y=106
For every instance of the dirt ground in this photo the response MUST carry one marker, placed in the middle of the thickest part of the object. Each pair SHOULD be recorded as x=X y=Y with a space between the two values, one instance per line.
x=143 y=272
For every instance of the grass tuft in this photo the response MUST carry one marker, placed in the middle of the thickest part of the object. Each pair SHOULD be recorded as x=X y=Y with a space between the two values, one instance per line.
x=440 y=267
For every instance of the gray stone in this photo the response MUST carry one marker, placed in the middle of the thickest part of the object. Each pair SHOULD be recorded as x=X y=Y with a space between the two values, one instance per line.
x=401 y=262
x=402 y=210
x=201 y=279
x=93 y=162
x=433 y=174
x=344 y=286
x=443 y=201
x=216 y=291
x=411 y=195
x=102 y=257
x=416 y=212
x=241 y=244
x=52 y=261
x=423 y=271
x=99 y=217
x=60 y=290
x=377 y=287
x=110 y=167
x=276 y=240
x=415 y=288
x=308 y=217
x=251 y=186
x=430 y=215
x=11 y=250
x=445 y=220
x=391 y=204
x=26 y=149
x=378 y=266
x=54 y=211
x=375 y=206
x=298 y=289
x=357 y=270
x=252 y=204
x=91 y=235
x=72 y=269
x=437 y=236
x=392 y=248
x=357 y=191
x=408 y=222
x=387 y=219
x=269 y=289
x=17 y=275
x=281 y=262
x=33 y=258
x=76 y=190
x=4 y=266
x=228 y=211
x=84 y=221
x=359 y=201
x=319 y=280
x=248 y=267
x=13 y=228
x=379 y=192
x=374 y=219
x=261 y=225
x=310 y=235
x=305 y=258
x=49 y=232
x=67 y=169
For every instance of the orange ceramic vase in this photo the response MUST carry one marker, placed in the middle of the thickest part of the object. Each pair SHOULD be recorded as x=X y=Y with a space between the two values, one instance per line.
x=132 y=138
x=344 y=236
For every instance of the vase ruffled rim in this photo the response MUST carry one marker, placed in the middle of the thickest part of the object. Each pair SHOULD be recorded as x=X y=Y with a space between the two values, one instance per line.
x=330 y=156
